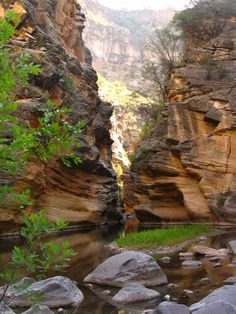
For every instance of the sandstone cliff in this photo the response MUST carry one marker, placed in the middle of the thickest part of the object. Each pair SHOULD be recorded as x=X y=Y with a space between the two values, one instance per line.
x=117 y=39
x=51 y=30
x=186 y=170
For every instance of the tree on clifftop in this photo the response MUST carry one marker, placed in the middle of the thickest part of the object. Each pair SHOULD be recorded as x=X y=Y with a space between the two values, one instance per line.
x=204 y=19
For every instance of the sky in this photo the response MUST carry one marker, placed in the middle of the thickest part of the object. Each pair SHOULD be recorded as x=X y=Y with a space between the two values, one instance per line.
x=144 y=4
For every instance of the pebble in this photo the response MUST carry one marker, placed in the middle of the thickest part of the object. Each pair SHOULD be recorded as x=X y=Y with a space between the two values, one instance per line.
x=188 y=293
x=165 y=259
x=173 y=286
x=217 y=265
x=167 y=297
x=205 y=281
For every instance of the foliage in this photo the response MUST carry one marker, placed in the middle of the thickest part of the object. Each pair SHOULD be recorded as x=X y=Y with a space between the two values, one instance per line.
x=53 y=138
x=37 y=256
x=160 y=237
x=163 y=55
x=204 y=19
x=117 y=93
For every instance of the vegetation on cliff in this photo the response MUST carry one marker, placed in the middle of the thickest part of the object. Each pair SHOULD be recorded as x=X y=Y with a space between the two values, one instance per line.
x=53 y=138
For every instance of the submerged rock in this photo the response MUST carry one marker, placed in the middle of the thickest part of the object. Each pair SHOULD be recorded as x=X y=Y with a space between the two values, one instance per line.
x=56 y=292
x=135 y=292
x=191 y=264
x=173 y=308
x=128 y=267
x=38 y=309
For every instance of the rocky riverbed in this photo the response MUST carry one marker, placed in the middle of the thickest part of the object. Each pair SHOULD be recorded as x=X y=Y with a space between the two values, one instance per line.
x=190 y=277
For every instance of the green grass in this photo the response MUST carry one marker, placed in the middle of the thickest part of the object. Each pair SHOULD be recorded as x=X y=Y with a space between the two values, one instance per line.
x=161 y=237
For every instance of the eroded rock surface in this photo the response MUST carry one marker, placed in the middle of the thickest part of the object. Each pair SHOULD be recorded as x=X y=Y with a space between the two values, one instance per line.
x=186 y=169
x=128 y=267
x=52 y=32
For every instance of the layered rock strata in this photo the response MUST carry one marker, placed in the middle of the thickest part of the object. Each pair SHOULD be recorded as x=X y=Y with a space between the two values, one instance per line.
x=51 y=30
x=186 y=170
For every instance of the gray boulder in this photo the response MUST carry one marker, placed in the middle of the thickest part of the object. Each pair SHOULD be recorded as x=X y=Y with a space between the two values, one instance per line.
x=4 y=309
x=225 y=294
x=217 y=307
x=173 y=308
x=128 y=267
x=38 y=309
x=56 y=292
x=232 y=246
x=135 y=292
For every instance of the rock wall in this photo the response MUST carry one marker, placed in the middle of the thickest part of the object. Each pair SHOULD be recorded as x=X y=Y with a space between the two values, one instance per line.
x=117 y=39
x=51 y=30
x=186 y=169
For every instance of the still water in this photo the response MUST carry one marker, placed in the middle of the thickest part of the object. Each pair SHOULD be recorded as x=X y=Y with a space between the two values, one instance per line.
x=91 y=251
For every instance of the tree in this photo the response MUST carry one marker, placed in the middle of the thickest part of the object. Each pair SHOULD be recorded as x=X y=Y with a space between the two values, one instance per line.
x=204 y=19
x=163 y=55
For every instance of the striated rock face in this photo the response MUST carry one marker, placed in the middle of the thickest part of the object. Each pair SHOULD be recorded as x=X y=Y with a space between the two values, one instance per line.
x=117 y=39
x=51 y=30
x=186 y=169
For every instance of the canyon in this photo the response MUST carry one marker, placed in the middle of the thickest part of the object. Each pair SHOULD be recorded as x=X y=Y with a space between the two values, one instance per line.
x=186 y=168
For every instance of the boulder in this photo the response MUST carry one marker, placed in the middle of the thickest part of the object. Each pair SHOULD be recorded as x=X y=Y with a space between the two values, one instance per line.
x=128 y=267
x=232 y=246
x=217 y=307
x=135 y=292
x=5 y=309
x=56 y=292
x=204 y=250
x=173 y=308
x=225 y=294
x=186 y=255
x=191 y=264
x=38 y=309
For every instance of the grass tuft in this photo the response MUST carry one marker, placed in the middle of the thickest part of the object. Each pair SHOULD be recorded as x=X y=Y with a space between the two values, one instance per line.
x=161 y=237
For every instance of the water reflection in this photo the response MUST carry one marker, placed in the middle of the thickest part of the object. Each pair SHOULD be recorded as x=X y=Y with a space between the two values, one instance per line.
x=90 y=248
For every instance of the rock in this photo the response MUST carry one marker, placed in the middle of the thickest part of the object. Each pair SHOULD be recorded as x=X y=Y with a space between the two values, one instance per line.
x=128 y=267
x=226 y=294
x=216 y=265
x=165 y=259
x=57 y=291
x=186 y=255
x=232 y=246
x=135 y=292
x=38 y=309
x=61 y=311
x=4 y=309
x=188 y=293
x=204 y=281
x=230 y=280
x=203 y=250
x=217 y=307
x=173 y=286
x=167 y=297
x=173 y=308
x=191 y=264
x=202 y=238
x=155 y=311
